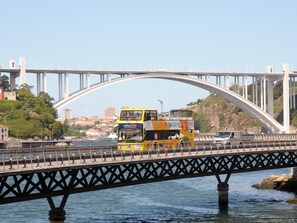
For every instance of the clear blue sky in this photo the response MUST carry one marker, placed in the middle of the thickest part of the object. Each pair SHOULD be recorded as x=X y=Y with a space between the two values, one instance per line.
x=170 y=34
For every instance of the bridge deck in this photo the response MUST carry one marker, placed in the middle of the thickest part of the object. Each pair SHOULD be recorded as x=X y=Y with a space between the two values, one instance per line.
x=48 y=176
x=48 y=160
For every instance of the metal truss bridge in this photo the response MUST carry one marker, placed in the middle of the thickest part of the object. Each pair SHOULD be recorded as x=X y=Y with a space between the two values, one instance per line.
x=39 y=173
x=259 y=105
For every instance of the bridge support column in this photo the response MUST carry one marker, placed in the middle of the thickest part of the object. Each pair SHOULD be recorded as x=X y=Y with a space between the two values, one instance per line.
x=286 y=98
x=223 y=188
x=270 y=97
x=12 y=77
x=22 y=63
x=57 y=215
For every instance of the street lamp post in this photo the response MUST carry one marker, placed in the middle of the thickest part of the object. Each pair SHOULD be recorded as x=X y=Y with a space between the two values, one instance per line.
x=161 y=103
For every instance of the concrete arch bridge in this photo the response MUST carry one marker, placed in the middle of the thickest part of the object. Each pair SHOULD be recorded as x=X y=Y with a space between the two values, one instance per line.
x=260 y=106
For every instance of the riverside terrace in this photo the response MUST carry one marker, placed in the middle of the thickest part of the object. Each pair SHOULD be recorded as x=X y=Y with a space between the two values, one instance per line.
x=33 y=144
x=34 y=174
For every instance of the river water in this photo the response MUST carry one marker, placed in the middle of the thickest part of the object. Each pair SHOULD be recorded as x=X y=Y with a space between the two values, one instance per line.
x=184 y=200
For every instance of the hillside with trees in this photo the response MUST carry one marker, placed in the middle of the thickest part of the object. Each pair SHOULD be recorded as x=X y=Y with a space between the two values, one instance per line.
x=214 y=113
x=30 y=116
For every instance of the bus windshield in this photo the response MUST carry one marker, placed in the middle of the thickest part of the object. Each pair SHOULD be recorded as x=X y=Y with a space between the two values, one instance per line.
x=130 y=132
x=223 y=134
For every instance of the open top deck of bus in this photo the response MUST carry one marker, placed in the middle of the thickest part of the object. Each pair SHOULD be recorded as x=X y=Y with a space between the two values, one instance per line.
x=147 y=114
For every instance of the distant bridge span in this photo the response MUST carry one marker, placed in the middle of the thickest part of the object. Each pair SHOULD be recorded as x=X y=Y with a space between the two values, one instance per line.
x=253 y=110
x=259 y=105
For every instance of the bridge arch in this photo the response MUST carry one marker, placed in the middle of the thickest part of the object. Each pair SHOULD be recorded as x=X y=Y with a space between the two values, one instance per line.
x=264 y=118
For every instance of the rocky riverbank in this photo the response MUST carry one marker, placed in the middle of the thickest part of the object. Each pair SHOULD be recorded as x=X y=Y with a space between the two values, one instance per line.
x=282 y=182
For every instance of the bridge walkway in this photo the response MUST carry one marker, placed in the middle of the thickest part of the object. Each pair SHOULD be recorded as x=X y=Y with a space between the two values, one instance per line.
x=49 y=159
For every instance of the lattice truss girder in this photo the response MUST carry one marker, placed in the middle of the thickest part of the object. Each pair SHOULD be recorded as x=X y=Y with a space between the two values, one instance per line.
x=36 y=185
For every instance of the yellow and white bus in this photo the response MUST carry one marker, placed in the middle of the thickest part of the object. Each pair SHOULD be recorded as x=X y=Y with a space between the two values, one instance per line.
x=143 y=128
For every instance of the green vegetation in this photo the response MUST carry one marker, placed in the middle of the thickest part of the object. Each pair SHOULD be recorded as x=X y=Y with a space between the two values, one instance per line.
x=294 y=118
x=201 y=122
x=214 y=113
x=73 y=130
x=33 y=116
x=4 y=82
x=30 y=116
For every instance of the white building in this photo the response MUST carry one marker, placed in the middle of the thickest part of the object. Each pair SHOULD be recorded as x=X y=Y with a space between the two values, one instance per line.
x=3 y=132
x=67 y=114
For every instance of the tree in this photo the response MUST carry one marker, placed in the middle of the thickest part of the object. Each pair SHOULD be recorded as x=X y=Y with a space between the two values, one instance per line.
x=25 y=95
x=46 y=98
x=71 y=130
x=30 y=116
x=278 y=90
x=4 y=82
x=57 y=130
x=200 y=123
x=26 y=87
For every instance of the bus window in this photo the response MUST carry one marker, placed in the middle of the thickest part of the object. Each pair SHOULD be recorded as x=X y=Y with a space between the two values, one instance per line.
x=150 y=115
x=131 y=115
x=130 y=133
x=162 y=134
x=154 y=115
x=123 y=115
x=147 y=116
x=138 y=115
x=173 y=135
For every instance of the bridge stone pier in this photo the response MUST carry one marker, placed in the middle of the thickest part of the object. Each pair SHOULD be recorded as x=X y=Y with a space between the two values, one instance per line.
x=223 y=189
x=57 y=215
x=257 y=100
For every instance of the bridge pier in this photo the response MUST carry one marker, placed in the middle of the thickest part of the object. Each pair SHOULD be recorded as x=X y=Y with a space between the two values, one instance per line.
x=57 y=215
x=223 y=189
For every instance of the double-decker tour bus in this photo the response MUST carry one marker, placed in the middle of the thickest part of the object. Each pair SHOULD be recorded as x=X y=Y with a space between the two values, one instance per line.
x=143 y=128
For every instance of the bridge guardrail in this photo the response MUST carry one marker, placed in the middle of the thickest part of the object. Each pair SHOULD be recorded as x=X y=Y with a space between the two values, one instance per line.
x=26 y=160
x=251 y=137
